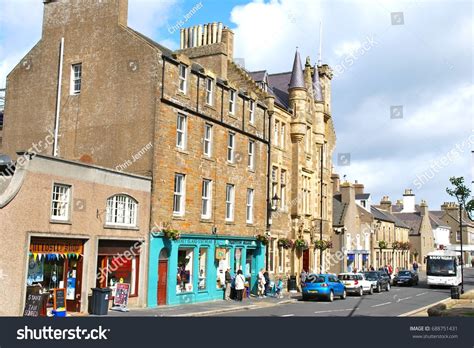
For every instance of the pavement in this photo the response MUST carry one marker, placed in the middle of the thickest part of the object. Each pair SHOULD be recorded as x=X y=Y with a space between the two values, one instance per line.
x=399 y=301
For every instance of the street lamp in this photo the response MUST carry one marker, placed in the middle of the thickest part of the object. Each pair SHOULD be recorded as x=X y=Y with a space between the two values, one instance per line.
x=460 y=198
x=275 y=200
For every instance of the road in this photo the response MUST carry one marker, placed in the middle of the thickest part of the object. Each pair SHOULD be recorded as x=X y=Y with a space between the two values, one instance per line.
x=397 y=301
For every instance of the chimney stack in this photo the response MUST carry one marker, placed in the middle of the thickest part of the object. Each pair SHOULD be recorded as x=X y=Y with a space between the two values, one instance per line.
x=386 y=204
x=347 y=192
x=335 y=183
x=408 y=201
x=423 y=208
x=359 y=188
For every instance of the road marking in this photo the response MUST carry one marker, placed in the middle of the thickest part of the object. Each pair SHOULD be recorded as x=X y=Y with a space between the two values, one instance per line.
x=381 y=304
x=288 y=315
x=423 y=293
x=335 y=310
x=403 y=299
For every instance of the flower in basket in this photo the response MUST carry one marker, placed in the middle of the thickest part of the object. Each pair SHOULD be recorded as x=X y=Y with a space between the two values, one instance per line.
x=262 y=239
x=405 y=245
x=383 y=244
x=285 y=243
x=397 y=245
x=171 y=234
x=301 y=244
x=323 y=244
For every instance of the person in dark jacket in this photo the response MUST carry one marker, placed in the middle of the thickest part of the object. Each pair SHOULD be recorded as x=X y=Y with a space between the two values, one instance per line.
x=228 y=284
x=267 y=282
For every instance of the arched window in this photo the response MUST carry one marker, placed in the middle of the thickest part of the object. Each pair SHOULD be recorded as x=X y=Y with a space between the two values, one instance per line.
x=121 y=211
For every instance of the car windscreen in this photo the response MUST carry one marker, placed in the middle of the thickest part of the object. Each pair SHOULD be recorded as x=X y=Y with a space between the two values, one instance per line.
x=347 y=276
x=404 y=273
x=371 y=276
x=314 y=279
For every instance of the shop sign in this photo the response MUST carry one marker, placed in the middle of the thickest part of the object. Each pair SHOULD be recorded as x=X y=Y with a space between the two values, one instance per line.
x=242 y=242
x=59 y=298
x=122 y=292
x=221 y=253
x=56 y=247
x=33 y=305
x=194 y=241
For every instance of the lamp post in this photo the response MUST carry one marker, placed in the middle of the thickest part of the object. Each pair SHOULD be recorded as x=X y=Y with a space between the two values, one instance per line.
x=460 y=199
x=273 y=206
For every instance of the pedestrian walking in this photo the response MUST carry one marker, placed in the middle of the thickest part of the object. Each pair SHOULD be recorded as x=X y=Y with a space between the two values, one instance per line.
x=415 y=266
x=261 y=284
x=303 y=276
x=228 y=284
x=372 y=268
x=239 y=285
x=266 y=275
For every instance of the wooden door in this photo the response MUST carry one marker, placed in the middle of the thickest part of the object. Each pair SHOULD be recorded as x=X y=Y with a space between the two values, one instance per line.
x=306 y=260
x=162 y=281
x=74 y=271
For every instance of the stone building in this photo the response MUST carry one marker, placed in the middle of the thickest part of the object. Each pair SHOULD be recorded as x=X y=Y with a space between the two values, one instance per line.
x=302 y=142
x=70 y=225
x=218 y=142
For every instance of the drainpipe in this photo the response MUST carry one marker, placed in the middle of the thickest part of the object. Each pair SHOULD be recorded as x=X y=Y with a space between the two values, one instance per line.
x=58 y=98
x=269 y=205
x=321 y=211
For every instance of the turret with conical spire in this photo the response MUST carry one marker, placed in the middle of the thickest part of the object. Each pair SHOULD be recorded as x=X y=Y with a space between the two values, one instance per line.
x=317 y=89
x=297 y=77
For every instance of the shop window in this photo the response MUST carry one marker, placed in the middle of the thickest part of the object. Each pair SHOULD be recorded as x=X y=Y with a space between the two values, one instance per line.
x=202 y=285
x=237 y=259
x=121 y=211
x=185 y=270
x=118 y=269
x=224 y=264
x=60 y=202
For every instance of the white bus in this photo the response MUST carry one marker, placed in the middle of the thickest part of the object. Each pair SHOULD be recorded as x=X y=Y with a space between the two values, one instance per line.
x=443 y=268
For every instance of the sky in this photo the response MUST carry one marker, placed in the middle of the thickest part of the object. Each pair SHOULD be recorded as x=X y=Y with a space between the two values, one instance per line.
x=402 y=91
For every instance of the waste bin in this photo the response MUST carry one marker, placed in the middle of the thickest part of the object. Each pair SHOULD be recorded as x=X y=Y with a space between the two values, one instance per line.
x=455 y=292
x=100 y=301
x=292 y=283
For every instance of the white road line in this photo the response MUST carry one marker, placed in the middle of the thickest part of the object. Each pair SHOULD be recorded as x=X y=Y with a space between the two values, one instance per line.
x=381 y=304
x=403 y=299
x=335 y=310
x=288 y=315
x=423 y=293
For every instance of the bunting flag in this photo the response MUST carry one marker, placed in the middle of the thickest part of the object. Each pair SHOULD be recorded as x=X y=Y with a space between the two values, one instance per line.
x=35 y=256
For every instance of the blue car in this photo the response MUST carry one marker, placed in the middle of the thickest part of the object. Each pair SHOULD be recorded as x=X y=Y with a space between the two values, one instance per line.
x=325 y=286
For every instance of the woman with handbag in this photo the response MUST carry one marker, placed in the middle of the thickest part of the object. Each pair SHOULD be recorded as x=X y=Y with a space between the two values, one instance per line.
x=239 y=285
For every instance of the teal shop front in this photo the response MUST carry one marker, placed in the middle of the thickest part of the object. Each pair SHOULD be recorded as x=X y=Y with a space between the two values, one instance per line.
x=191 y=269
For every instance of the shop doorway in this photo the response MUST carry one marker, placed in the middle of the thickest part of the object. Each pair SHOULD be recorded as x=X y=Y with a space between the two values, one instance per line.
x=162 y=277
x=74 y=282
x=306 y=260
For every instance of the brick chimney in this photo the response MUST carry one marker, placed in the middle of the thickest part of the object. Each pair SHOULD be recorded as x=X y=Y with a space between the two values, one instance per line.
x=347 y=192
x=386 y=204
x=336 y=182
x=423 y=208
x=211 y=45
x=408 y=201
x=359 y=188
x=450 y=207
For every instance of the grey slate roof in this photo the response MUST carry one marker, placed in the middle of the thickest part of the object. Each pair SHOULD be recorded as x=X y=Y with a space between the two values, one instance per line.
x=338 y=212
x=436 y=221
x=362 y=196
x=381 y=215
x=258 y=76
x=297 y=77
x=166 y=51
x=413 y=220
x=317 y=89
x=278 y=85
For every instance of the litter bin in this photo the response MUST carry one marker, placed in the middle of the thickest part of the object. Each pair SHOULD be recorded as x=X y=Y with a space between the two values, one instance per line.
x=455 y=292
x=100 y=301
x=292 y=284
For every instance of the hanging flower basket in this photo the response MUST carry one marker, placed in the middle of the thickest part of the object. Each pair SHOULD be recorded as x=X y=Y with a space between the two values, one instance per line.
x=323 y=244
x=171 y=234
x=285 y=243
x=383 y=244
x=397 y=245
x=301 y=244
x=405 y=245
x=262 y=239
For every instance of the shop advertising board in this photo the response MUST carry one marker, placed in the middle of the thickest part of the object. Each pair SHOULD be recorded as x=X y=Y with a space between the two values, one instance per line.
x=122 y=292
x=33 y=305
x=59 y=298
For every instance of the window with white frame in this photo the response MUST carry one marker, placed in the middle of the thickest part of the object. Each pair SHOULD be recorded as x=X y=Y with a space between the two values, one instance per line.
x=251 y=111
x=179 y=194
x=206 y=199
x=76 y=78
x=60 y=202
x=282 y=135
x=283 y=189
x=229 y=202
x=274 y=184
x=208 y=140
x=183 y=77
x=122 y=211
x=251 y=155
x=181 y=131
x=281 y=259
x=232 y=97
x=276 y=132
x=231 y=148
x=250 y=194
x=209 y=91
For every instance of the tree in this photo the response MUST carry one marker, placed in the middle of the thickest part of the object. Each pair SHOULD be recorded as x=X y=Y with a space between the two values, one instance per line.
x=463 y=194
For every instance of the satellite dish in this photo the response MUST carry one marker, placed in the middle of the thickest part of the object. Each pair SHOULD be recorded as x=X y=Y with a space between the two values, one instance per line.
x=5 y=160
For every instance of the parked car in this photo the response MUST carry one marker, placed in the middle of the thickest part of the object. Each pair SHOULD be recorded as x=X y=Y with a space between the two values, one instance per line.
x=405 y=278
x=323 y=286
x=380 y=280
x=385 y=275
x=356 y=283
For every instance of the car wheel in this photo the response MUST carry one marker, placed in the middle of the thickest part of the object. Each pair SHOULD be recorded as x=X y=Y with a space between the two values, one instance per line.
x=379 y=289
x=371 y=291
x=361 y=291
x=344 y=294
x=388 y=287
x=331 y=296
